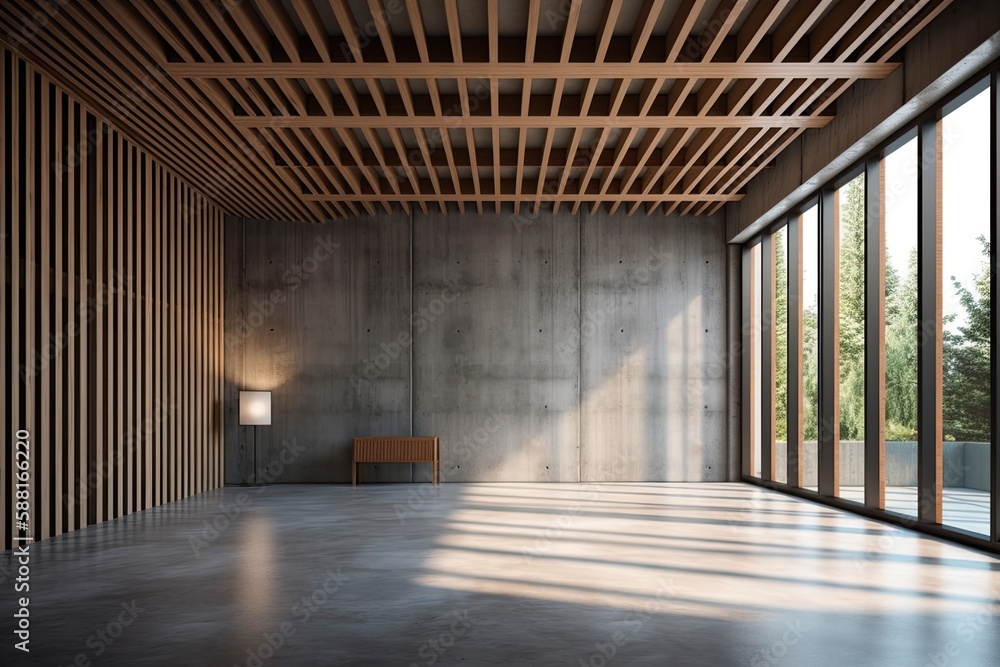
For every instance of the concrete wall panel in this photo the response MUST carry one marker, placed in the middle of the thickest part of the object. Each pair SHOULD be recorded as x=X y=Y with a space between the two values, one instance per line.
x=504 y=363
x=655 y=349
x=311 y=310
x=496 y=344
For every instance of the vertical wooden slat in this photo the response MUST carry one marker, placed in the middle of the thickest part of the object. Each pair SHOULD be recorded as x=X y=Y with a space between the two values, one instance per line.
x=148 y=423
x=69 y=173
x=197 y=277
x=41 y=367
x=829 y=345
x=165 y=406
x=114 y=300
x=184 y=390
x=220 y=348
x=6 y=419
x=189 y=342
x=60 y=494
x=16 y=266
x=129 y=287
x=179 y=264
x=119 y=376
x=767 y=365
x=929 y=345
x=874 y=335
x=81 y=169
x=205 y=322
x=98 y=482
x=30 y=292
x=106 y=252
x=156 y=370
x=209 y=353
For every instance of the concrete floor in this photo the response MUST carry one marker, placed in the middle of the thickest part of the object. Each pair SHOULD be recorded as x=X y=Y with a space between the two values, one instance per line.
x=505 y=574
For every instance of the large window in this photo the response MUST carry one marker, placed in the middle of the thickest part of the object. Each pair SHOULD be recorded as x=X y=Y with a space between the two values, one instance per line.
x=850 y=212
x=966 y=314
x=780 y=358
x=809 y=300
x=900 y=299
x=877 y=300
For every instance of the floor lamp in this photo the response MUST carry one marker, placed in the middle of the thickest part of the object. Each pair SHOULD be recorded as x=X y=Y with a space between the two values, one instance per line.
x=255 y=410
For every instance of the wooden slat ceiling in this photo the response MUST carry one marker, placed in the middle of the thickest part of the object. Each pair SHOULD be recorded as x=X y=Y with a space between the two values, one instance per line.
x=319 y=109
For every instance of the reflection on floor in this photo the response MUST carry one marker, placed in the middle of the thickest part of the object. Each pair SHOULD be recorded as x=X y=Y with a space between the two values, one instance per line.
x=506 y=574
x=967 y=509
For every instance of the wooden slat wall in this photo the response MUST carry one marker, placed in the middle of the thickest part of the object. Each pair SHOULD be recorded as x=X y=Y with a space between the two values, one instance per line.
x=112 y=295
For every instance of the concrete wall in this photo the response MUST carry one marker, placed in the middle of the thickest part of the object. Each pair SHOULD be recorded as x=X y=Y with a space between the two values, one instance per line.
x=549 y=348
x=963 y=39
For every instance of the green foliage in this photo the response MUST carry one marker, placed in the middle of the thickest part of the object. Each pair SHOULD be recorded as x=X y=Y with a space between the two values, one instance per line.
x=852 y=310
x=896 y=431
x=966 y=348
x=967 y=360
x=901 y=354
x=781 y=333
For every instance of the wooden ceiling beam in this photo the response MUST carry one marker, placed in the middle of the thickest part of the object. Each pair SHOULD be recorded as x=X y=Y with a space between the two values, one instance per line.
x=538 y=122
x=381 y=21
x=349 y=27
x=101 y=64
x=509 y=158
x=531 y=35
x=534 y=70
x=455 y=35
x=607 y=26
x=569 y=35
x=443 y=136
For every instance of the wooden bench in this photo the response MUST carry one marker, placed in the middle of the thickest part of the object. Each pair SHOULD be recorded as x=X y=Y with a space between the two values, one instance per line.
x=396 y=450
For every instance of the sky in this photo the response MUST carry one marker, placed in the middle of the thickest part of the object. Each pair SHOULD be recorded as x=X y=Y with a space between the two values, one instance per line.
x=965 y=204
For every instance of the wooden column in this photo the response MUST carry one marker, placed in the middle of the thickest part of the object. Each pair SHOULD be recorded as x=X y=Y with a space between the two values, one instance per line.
x=874 y=335
x=767 y=367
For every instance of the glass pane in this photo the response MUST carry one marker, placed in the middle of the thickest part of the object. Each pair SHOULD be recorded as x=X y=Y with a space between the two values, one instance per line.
x=781 y=354
x=851 y=274
x=966 y=314
x=810 y=346
x=900 y=213
x=755 y=315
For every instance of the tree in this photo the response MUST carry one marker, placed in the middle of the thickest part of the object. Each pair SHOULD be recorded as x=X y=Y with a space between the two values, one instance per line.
x=901 y=352
x=781 y=334
x=966 y=391
x=852 y=310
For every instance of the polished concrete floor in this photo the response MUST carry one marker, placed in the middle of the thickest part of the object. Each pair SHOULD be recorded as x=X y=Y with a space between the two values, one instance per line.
x=505 y=574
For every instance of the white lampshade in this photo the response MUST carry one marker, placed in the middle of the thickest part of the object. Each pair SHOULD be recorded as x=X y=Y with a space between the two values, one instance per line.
x=255 y=408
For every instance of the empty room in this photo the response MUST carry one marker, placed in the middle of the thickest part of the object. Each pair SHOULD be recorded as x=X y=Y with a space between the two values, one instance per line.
x=500 y=332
